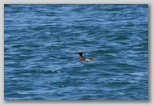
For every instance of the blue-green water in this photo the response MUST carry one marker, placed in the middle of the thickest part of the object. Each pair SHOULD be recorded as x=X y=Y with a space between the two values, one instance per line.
x=40 y=48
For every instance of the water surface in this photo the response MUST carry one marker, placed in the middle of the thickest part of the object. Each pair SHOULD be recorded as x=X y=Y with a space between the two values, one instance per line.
x=40 y=48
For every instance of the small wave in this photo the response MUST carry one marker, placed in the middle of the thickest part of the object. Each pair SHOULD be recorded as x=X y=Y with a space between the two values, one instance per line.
x=36 y=71
x=44 y=71
x=137 y=74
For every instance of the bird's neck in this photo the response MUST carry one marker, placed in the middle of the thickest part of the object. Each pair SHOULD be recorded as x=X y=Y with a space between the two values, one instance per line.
x=81 y=58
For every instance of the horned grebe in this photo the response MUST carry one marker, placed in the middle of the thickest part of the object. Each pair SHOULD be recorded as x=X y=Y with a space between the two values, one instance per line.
x=84 y=59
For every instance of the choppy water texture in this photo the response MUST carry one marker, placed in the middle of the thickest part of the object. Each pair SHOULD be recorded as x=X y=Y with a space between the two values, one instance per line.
x=40 y=47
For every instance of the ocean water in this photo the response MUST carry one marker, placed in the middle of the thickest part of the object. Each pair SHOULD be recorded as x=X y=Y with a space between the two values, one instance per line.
x=41 y=41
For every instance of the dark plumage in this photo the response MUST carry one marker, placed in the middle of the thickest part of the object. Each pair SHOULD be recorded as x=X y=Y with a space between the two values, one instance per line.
x=84 y=59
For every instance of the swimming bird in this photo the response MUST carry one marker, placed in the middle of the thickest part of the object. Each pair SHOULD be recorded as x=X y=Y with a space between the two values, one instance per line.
x=84 y=59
